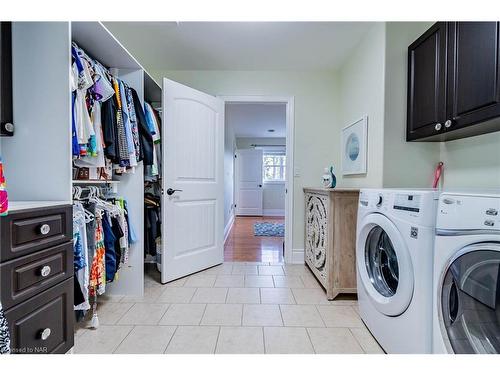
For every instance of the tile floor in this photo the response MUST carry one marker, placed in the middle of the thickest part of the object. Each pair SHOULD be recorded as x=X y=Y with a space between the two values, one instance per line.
x=240 y=307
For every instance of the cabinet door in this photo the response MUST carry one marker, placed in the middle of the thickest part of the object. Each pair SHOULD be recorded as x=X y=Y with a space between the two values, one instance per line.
x=426 y=110
x=473 y=73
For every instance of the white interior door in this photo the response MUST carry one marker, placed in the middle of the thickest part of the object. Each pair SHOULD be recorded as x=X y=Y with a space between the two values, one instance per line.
x=193 y=214
x=249 y=182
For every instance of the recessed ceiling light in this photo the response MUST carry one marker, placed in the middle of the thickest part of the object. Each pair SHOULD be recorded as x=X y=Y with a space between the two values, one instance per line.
x=270 y=130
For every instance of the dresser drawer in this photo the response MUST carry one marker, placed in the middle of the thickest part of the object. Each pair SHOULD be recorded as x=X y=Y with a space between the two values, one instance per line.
x=43 y=324
x=29 y=275
x=24 y=232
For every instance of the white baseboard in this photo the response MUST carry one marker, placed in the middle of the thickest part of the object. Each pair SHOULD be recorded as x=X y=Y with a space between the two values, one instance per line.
x=273 y=212
x=297 y=256
x=228 y=227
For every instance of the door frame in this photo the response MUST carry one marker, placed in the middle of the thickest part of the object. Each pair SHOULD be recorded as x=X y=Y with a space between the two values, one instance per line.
x=290 y=131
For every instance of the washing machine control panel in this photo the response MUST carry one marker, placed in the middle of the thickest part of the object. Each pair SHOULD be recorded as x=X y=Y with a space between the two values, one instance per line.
x=407 y=202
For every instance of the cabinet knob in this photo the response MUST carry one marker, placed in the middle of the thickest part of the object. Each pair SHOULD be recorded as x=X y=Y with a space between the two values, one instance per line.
x=45 y=229
x=45 y=271
x=44 y=334
x=447 y=124
x=438 y=126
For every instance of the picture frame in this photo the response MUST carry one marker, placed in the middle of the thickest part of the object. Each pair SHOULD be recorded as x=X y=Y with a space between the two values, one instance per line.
x=354 y=147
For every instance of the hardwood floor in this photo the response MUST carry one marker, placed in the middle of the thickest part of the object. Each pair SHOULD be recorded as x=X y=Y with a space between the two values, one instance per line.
x=243 y=246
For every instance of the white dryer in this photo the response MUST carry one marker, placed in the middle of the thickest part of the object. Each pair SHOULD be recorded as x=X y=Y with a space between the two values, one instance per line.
x=466 y=306
x=394 y=252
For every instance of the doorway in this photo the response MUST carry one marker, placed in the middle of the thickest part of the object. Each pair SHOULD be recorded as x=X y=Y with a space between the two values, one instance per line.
x=258 y=171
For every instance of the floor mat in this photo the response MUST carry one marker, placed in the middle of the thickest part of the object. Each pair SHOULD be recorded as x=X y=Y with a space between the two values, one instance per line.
x=269 y=229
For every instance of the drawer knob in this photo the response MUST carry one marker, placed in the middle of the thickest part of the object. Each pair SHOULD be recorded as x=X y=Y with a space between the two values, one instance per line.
x=45 y=271
x=45 y=229
x=44 y=334
x=447 y=124
x=438 y=126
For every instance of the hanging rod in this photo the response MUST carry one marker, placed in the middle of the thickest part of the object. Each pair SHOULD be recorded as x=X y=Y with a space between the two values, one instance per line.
x=256 y=145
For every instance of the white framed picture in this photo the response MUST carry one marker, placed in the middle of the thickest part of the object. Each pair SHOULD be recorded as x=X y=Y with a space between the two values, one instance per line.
x=354 y=144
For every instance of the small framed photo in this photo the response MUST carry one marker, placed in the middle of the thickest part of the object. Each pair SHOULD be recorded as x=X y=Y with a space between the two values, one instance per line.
x=354 y=147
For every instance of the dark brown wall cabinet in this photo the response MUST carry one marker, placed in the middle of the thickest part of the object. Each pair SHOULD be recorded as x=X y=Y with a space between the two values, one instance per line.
x=454 y=81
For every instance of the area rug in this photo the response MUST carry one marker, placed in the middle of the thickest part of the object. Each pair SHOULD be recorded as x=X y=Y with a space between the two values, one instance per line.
x=269 y=229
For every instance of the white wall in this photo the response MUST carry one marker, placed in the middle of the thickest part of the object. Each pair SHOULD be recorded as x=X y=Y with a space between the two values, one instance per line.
x=315 y=117
x=40 y=149
x=274 y=199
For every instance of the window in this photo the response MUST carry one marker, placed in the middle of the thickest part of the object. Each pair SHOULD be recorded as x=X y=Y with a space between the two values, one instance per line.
x=274 y=167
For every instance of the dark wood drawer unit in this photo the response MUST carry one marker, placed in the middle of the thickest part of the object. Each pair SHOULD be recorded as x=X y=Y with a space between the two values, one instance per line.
x=454 y=81
x=43 y=324
x=25 y=232
x=36 y=276
x=26 y=276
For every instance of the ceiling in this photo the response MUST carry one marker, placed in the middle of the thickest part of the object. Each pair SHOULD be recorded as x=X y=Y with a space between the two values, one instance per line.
x=253 y=120
x=240 y=45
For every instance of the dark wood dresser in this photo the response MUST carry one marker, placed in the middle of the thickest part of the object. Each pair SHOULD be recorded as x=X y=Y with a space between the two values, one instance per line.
x=36 y=276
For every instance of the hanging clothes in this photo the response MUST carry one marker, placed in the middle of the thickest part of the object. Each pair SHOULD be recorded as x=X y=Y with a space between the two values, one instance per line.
x=146 y=139
x=95 y=158
x=80 y=254
x=105 y=129
x=109 y=248
x=4 y=333
x=97 y=277
x=128 y=126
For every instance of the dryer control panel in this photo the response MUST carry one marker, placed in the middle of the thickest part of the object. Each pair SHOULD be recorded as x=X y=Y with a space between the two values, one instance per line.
x=468 y=212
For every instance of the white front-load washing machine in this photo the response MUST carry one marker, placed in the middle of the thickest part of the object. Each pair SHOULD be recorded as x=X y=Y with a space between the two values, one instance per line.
x=394 y=252
x=466 y=305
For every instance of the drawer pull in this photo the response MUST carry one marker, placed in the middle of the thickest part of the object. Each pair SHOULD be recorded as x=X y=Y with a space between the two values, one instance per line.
x=45 y=229
x=44 y=334
x=45 y=271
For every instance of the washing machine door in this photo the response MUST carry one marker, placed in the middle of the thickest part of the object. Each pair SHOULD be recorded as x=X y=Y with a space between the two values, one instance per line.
x=469 y=298
x=384 y=265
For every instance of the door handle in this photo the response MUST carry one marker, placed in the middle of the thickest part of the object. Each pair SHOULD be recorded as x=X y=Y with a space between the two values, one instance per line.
x=171 y=191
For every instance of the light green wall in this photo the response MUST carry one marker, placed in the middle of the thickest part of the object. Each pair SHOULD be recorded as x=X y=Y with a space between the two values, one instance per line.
x=361 y=92
x=316 y=100
x=406 y=164
x=472 y=162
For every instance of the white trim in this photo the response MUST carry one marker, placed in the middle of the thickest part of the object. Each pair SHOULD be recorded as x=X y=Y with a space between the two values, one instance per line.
x=228 y=227
x=298 y=256
x=273 y=212
x=290 y=132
